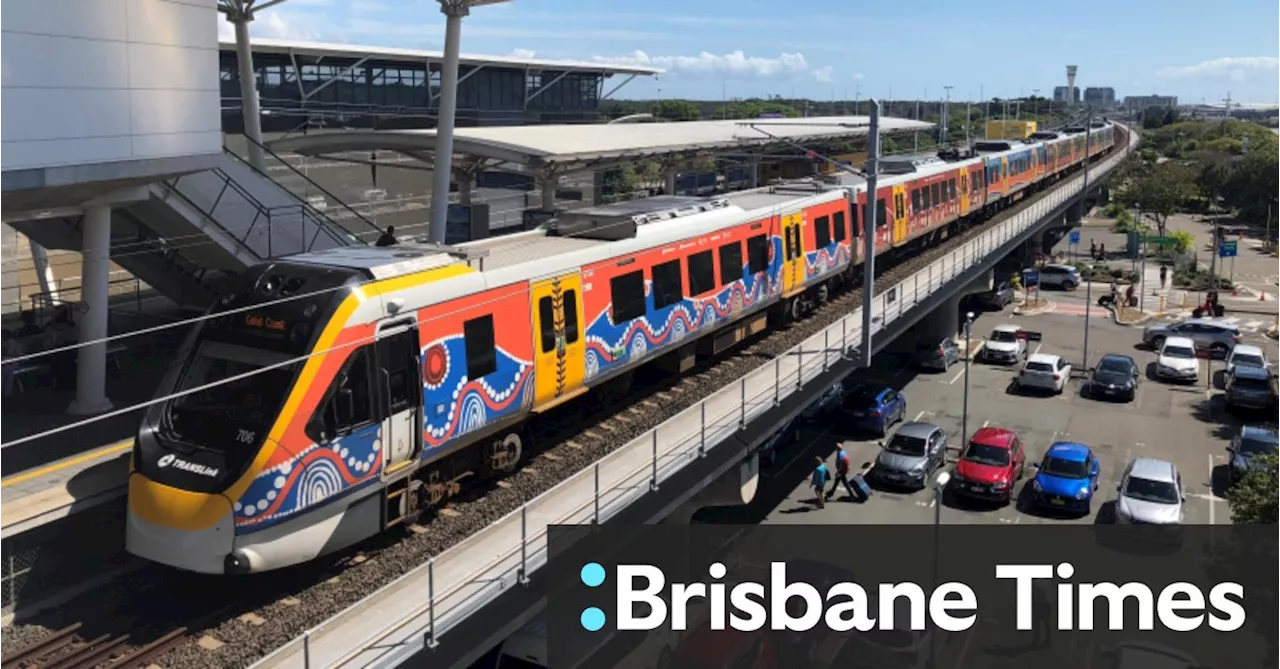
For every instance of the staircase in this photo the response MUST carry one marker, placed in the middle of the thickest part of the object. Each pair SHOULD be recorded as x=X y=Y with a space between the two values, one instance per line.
x=196 y=231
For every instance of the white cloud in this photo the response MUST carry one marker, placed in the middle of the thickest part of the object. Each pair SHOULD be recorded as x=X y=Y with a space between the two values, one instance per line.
x=824 y=74
x=522 y=53
x=733 y=64
x=1236 y=68
x=858 y=76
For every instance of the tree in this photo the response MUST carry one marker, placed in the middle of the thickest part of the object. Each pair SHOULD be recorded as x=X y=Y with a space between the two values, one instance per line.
x=678 y=110
x=1159 y=191
x=1254 y=497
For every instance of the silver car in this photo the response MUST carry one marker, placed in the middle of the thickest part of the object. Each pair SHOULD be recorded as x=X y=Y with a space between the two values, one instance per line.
x=914 y=452
x=1151 y=493
x=1214 y=336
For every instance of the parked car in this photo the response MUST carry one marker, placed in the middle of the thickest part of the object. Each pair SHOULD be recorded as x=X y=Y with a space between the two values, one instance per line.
x=788 y=436
x=1150 y=493
x=1044 y=371
x=1251 y=388
x=991 y=465
x=828 y=402
x=1249 y=443
x=1214 y=336
x=1115 y=376
x=914 y=452
x=997 y=297
x=938 y=356
x=1176 y=360
x=1004 y=346
x=1066 y=478
x=1062 y=277
x=1246 y=354
x=875 y=407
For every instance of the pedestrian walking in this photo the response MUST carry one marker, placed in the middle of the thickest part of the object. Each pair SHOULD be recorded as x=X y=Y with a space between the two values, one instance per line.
x=842 y=475
x=820 y=476
x=1164 y=276
x=1093 y=249
x=1102 y=252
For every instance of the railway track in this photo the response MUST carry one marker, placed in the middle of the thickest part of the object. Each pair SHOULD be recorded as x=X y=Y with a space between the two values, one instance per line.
x=66 y=649
x=231 y=626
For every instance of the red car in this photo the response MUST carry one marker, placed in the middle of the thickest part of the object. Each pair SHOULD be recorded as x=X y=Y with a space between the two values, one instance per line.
x=991 y=465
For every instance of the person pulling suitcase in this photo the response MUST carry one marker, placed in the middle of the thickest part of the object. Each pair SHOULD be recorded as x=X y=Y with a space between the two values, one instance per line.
x=842 y=474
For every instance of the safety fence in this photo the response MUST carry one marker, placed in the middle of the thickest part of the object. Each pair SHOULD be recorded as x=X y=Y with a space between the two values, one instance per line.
x=416 y=610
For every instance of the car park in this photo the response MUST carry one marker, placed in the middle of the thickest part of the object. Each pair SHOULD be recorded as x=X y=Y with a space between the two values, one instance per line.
x=1066 y=478
x=779 y=441
x=1004 y=346
x=1062 y=277
x=1044 y=371
x=991 y=465
x=875 y=407
x=915 y=451
x=1208 y=335
x=1251 y=388
x=996 y=298
x=1150 y=493
x=938 y=356
x=1115 y=376
x=1246 y=354
x=1176 y=360
x=1247 y=446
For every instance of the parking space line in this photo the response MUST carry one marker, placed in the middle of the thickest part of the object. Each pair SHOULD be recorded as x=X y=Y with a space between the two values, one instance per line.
x=986 y=423
x=1037 y=348
x=955 y=378
x=922 y=415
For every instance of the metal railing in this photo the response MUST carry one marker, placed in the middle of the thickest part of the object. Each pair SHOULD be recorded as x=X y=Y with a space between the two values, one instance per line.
x=458 y=582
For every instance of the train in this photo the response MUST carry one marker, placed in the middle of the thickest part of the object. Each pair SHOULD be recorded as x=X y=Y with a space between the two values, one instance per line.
x=331 y=396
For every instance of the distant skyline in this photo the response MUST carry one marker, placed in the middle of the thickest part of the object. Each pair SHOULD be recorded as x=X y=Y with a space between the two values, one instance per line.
x=753 y=48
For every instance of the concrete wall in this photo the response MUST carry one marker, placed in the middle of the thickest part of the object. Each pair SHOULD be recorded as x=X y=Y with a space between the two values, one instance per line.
x=96 y=81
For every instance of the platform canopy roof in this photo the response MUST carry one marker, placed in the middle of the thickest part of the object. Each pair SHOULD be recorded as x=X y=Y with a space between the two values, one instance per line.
x=572 y=148
x=382 y=53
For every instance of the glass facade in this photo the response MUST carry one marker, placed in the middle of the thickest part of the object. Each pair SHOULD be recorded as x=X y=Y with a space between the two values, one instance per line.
x=389 y=94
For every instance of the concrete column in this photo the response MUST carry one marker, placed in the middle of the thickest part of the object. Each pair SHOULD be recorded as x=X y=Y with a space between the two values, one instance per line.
x=44 y=274
x=549 y=185
x=755 y=171
x=445 y=118
x=249 y=93
x=91 y=365
x=465 y=182
x=669 y=181
x=1035 y=243
x=1075 y=213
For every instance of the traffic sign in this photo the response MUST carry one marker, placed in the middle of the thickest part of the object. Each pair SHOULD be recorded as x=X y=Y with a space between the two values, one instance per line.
x=1158 y=241
x=1074 y=238
x=1030 y=277
x=1027 y=335
x=1227 y=249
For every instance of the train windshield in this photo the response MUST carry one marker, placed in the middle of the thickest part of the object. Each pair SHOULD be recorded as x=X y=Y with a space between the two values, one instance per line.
x=241 y=392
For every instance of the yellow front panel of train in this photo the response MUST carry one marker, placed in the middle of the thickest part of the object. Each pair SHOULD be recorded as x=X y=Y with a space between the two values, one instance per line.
x=559 y=339
x=899 y=214
x=963 y=183
x=792 y=253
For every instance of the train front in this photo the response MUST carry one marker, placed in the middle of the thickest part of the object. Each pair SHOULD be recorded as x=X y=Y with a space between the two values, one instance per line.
x=228 y=389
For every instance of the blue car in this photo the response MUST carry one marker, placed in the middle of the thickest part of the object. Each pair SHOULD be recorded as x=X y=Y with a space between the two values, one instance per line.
x=875 y=407
x=1066 y=479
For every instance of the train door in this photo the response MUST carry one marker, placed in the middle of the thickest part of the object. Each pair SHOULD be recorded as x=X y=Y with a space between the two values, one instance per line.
x=400 y=377
x=964 y=193
x=560 y=349
x=899 y=214
x=792 y=253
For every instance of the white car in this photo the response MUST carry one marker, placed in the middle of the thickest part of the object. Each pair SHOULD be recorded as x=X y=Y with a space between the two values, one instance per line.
x=1151 y=493
x=1246 y=354
x=1004 y=346
x=1177 y=360
x=1045 y=371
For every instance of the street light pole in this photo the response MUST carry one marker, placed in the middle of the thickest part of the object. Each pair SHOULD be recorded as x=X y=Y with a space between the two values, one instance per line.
x=1084 y=196
x=869 y=230
x=968 y=355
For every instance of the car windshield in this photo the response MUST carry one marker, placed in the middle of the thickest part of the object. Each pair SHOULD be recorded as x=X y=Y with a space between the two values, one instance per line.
x=250 y=403
x=1004 y=335
x=1248 y=359
x=1067 y=469
x=1249 y=383
x=1113 y=367
x=1178 y=352
x=864 y=396
x=983 y=454
x=1039 y=367
x=1256 y=446
x=904 y=445
x=1160 y=492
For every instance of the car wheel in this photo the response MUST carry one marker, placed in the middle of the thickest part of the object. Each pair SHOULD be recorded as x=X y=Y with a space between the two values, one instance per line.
x=1068 y=285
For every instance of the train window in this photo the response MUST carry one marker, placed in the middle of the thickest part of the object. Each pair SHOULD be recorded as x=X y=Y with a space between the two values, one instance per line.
x=547 y=324
x=628 y=296
x=730 y=263
x=570 y=316
x=482 y=356
x=838 y=227
x=935 y=190
x=881 y=214
x=667 y=289
x=702 y=273
x=350 y=402
x=822 y=232
x=758 y=254
x=915 y=201
x=928 y=201
x=953 y=188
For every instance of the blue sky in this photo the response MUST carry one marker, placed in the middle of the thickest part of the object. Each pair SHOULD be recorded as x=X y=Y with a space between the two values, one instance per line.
x=842 y=48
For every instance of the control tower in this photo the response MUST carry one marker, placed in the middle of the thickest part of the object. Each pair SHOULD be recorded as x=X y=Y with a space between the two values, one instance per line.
x=1071 y=85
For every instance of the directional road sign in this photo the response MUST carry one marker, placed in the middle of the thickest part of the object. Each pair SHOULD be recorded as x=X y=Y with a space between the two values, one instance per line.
x=1028 y=335
x=1227 y=249
x=1074 y=238
x=1030 y=277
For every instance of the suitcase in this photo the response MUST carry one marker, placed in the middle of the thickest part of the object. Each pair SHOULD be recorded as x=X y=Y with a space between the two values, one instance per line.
x=861 y=491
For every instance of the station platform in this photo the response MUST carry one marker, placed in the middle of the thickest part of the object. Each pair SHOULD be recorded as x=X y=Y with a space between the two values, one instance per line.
x=50 y=493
